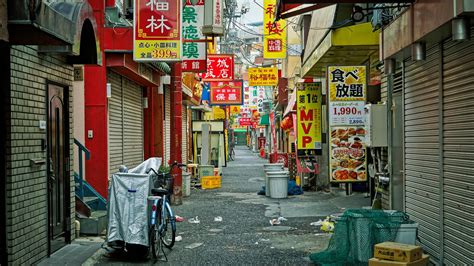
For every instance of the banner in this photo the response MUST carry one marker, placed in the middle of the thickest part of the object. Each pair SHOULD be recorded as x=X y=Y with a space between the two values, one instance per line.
x=226 y=93
x=347 y=94
x=274 y=32
x=220 y=67
x=273 y=133
x=308 y=111
x=157 y=31
x=263 y=76
x=194 y=53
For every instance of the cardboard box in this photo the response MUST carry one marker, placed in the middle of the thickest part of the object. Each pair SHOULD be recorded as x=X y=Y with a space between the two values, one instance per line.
x=397 y=252
x=378 y=262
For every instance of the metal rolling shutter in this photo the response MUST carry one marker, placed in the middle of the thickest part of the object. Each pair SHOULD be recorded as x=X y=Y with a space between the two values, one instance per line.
x=132 y=123
x=184 y=130
x=167 y=124
x=422 y=151
x=115 y=123
x=458 y=151
x=125 y=123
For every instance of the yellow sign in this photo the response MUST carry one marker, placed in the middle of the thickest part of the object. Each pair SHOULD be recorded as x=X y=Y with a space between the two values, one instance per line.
x=263 y=76
x=309 y=115
x=347 y=83
x=235 y=109
x=274 y=32
x=219 y=114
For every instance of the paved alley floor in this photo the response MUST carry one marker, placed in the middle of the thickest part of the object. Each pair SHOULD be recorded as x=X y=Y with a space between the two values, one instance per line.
x=245 y=235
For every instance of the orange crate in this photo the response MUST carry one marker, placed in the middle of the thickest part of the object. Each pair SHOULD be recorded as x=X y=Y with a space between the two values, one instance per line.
x=210 y=182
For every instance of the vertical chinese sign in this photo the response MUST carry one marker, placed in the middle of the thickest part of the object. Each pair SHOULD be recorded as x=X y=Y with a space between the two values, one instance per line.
x=194 y=47
x=274 y=32
x=220 y=67
x=308 y=112
x=157 y=30
x=347 y=95
x=226 y=93
x=273 y=133
x=263 y=76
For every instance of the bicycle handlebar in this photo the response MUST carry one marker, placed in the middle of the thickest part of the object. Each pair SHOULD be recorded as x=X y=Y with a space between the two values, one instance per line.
x=174 y=164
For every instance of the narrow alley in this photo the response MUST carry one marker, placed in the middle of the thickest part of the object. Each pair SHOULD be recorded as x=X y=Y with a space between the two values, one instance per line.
x=245 y=235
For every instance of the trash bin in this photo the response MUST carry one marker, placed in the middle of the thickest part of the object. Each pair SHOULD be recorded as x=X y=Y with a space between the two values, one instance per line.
x=186 y=184
x=278 y=182
x=270 y=167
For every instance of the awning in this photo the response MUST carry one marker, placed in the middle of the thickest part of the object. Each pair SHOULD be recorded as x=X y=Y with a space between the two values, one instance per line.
x=264 y=120
x=57 y=27
x=138 y=72
x=351 y=45
x=290 y=8
x=291 y=104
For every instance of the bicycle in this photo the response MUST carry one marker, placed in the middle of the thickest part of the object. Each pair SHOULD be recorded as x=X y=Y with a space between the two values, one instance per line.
x=161 y=208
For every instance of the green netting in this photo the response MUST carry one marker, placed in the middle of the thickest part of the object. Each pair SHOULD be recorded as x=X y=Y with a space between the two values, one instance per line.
x=355 y=234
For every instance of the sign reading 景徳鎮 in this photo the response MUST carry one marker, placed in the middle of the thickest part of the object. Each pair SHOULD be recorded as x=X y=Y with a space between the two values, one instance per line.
x=194 y=46
x=308 y=111
x=274 y=32
x=347 y=94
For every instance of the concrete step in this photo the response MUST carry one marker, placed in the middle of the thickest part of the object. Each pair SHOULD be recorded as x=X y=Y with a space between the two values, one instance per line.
x=95 y=224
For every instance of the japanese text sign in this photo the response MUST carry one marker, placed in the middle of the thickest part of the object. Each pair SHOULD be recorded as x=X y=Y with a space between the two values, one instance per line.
x=347 y=83
x=235 y=110
x=347 y=94
x=274 y=32
x=263 y=76
x=220 y=67
x=157 y=30
x=245 y=121
x=226 y=93
x=309 y=115
x=194 y=53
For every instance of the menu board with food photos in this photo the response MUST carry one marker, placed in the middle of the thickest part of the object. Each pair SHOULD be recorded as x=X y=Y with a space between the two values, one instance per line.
x=348 y=155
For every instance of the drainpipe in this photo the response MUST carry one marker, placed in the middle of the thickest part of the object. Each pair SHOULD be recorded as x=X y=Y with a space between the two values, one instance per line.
x=176 y=129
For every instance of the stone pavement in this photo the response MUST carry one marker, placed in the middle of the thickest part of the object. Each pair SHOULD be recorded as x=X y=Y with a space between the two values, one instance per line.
x=76 y=253
x=245 y=235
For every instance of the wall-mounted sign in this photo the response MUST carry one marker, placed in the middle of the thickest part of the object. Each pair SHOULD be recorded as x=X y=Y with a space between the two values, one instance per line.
x=308 y=112
x=245 y=121
x=226 y=93
x=220 y=67
x=347 y=94
x=235 y=110
x=263 y=76
x=274 y=32
x=213 y=18
x=194 y=53
x=157 y=30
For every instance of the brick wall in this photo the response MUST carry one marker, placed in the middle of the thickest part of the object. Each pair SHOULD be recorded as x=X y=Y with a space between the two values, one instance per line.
x=27 y=207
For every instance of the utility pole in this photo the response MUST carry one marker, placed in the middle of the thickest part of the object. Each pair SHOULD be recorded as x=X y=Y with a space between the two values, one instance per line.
x=176 y=130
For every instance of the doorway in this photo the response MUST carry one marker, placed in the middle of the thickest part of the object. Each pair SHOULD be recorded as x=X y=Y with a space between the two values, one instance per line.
x=58 y=167
x=398 y=183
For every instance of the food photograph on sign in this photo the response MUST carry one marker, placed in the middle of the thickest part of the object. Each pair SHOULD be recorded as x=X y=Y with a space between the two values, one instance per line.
x=348 y=154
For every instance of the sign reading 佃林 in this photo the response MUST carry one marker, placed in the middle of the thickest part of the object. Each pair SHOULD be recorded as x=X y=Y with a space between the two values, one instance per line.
x=157 y=30
x=347 y=94
x=308 y=113
x=263 y=76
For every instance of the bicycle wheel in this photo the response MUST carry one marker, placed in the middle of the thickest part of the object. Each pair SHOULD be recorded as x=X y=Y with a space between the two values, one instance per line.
x=168 y=229
x=154 y=242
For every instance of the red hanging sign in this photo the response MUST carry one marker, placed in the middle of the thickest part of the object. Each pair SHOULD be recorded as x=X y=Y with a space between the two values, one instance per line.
x=245 y=121
x=220 y=67
x=157 y=30
x=226 y=93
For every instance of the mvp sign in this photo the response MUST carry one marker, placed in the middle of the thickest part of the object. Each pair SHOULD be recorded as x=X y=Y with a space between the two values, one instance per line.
x=309 y=115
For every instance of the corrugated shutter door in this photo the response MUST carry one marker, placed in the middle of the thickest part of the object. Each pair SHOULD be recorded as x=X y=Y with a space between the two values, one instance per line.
x=422 y=149
x=115 y=123
x=132 y=123
x=458 y=148
x=184 y=141
x=167 y=124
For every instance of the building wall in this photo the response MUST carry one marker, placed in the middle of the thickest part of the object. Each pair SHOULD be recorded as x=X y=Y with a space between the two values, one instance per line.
x=79 y=122
x=27 y=206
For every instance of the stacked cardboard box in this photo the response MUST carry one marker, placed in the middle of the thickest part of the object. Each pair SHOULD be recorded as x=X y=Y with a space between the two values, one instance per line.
x=398 y=254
